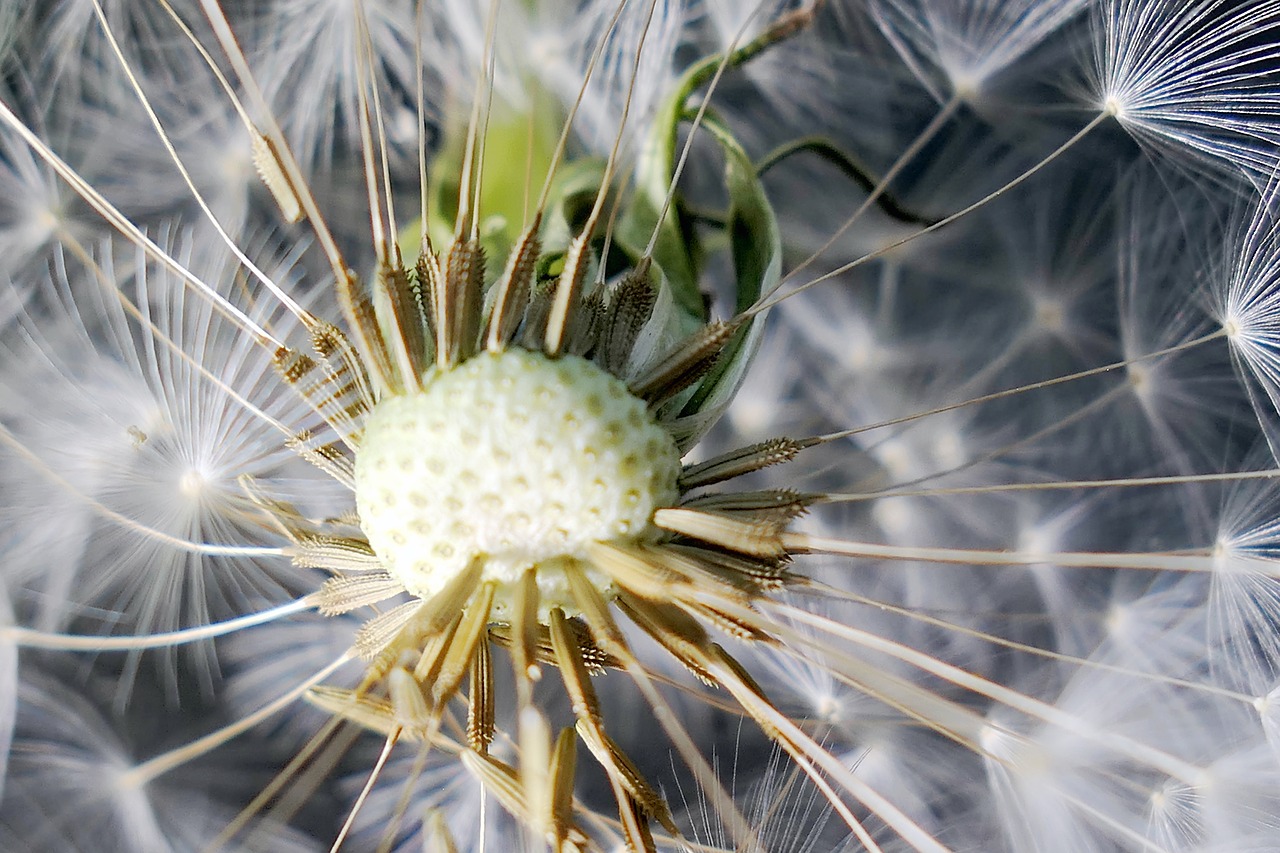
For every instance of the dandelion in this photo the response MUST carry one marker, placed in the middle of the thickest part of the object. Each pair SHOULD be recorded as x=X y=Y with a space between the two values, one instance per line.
x=632 y=425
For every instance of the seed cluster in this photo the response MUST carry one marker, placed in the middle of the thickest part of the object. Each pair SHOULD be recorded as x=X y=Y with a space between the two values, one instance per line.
x=515 y=459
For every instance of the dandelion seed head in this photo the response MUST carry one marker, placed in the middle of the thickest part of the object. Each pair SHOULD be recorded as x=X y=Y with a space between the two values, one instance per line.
x=1190 y=79
x=1235 y=329
x=896 y=518
x=192 y=483
x=964 y=398
x=1049 y=313
x=1174 y=810
x=32 y=210
x=1140 y=379
x=1268 y=709
x=1041 y=538
x=969 y=47
x=1119 y=620
x=1005 y=746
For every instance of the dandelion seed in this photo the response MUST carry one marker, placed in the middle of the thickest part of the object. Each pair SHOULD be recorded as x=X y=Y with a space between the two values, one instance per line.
x=969 y=45
x=1191 y=81
x=125 y=447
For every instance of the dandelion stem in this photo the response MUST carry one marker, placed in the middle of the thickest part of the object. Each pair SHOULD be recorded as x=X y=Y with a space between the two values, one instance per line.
x=384 y=246
x=287 y=774
x=931 y=130
x=1022 y=389
x=768 y=301
x=166 y=761
x=125 y=226
x=286 y=300
x=1155 y=758
x=29 y=638
x=804 y=749
x=563 y=141
x=364 y=792
x=1154 y=561
x=231 y=48
x=1128 y=482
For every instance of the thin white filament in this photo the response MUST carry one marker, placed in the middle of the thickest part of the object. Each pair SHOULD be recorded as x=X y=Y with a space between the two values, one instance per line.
x=222 y=29
x=1022 y=389
x=122 y=223
x=1152 y=561
x=166 y=761
x=791 y=734
x=1084 y=663
x=29 y=638
x=286 y=300
x=144 y=319
x=935 y=124
x=1155 y=758
x=1064 y=485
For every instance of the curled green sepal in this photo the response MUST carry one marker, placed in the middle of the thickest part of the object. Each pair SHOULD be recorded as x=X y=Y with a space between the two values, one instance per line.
x=755 y=247
x=676 y=250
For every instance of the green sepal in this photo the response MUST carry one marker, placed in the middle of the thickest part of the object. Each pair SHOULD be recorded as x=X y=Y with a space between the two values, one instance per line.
x=755 y=247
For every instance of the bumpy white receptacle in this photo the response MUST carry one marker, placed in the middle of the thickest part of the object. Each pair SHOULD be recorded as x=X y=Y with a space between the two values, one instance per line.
x=513 y=458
